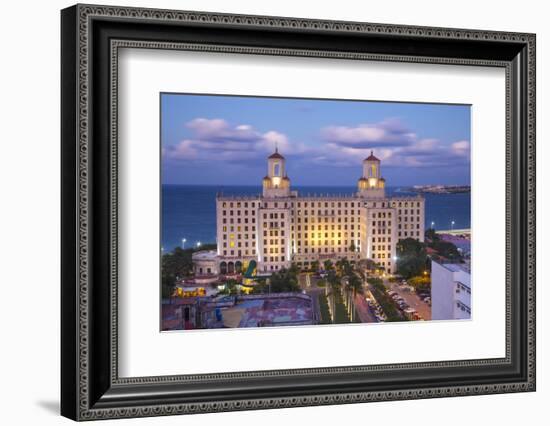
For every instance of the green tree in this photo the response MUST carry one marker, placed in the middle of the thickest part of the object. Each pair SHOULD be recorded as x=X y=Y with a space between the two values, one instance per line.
x=328 y=265
x=352 y=247
x=421 y=283
x=315 y=265
x=431 y=235
x=231 y=288
x=284 y=281
x=344 y=267
x=355 y=283
x=447 y=250
x=411 y=257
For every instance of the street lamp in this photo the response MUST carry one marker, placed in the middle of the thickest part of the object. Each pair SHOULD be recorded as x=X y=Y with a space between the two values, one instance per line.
x=433 y=225
x=198 y=243
x=452 y=225
x=183 y=241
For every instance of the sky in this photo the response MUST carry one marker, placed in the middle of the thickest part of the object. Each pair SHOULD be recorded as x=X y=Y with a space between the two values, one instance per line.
x=225 y=140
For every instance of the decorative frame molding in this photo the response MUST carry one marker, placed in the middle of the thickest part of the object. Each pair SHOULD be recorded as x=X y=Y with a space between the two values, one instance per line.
x=91 y=37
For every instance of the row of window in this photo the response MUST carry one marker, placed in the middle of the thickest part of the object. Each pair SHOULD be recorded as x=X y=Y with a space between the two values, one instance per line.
x=239 y=229
x=383 y=204
x=239 y=244
x=463 y=307
x=332 y=227
x=238 y=212
x=381 y=231
x=328 y=212
x=274 y=259
x=239 y=253
x=231 y=220
x=313 y=250
x=320 y=243
x=461 y=287
x=275 y=233
x=346 y=219
x=412 y=219
x=381 y=248
x=332 y=204
x=238 y=204
x=275 y=215
x=275 y=242
x=320 y=235
x=274 y=250
x=408 y=234
x=407 y=226
x=274 y=224
x=386 y=204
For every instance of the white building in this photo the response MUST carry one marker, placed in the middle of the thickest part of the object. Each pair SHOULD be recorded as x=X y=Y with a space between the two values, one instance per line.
x=451 y=291
x=281 y=226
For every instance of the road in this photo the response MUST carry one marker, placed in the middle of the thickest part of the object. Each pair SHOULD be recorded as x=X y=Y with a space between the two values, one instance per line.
x=309 y=286
x=363 y=309
x=412 y=299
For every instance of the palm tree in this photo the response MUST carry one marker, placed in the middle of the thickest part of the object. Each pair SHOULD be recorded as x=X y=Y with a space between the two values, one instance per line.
x=354 y=285
x=334 y=282
x=315 y=266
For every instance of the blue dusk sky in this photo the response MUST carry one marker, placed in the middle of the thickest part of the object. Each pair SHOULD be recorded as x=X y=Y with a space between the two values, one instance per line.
x=225 y=140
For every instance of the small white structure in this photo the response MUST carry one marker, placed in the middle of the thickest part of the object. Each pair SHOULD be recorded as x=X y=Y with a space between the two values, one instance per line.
x=451 y=291
x=205 y=263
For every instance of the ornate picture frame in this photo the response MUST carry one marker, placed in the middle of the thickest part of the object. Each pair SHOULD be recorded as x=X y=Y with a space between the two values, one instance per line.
x=90 y=39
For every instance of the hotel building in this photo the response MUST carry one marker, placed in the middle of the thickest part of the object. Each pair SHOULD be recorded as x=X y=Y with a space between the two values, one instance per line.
x=281 y=226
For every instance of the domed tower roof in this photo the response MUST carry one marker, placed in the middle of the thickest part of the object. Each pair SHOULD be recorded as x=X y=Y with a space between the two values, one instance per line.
x=267 y=178
x=286 y=178
x=362 y=179
x=276 y=155
x=371 y=157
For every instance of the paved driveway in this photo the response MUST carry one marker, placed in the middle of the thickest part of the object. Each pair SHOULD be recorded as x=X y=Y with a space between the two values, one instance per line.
x=412 y=299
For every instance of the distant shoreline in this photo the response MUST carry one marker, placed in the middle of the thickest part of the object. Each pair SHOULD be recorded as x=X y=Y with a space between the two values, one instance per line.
x=440 y=189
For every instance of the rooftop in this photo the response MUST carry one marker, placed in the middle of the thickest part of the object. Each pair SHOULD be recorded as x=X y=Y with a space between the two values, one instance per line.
x=205 y=255
x=457 y=267
x=371 y=157
x=276 y=155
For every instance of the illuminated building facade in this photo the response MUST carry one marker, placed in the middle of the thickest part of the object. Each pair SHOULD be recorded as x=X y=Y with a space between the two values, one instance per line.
x=281 y=226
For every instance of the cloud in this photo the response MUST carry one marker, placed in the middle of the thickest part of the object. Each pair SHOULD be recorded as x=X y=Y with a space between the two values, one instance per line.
x=218 y=130
x=396 y=145
x=461 y=148
x=393 y=143
x=213 y=139
x=388 y=133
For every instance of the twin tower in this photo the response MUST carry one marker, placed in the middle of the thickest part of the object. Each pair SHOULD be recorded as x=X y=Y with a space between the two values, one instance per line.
x=276 y=183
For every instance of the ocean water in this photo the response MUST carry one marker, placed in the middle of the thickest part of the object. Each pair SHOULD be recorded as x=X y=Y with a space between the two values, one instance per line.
x=189 y=211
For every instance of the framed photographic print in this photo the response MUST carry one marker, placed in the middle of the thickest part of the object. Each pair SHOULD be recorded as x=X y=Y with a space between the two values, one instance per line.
x=265 y=212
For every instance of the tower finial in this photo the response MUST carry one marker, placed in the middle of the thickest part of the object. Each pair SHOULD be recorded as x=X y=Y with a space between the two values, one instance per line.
x=276 y=146
x=371 y=152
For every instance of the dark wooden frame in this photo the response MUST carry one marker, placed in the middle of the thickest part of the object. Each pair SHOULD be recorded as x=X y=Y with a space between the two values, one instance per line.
x=90 y=386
